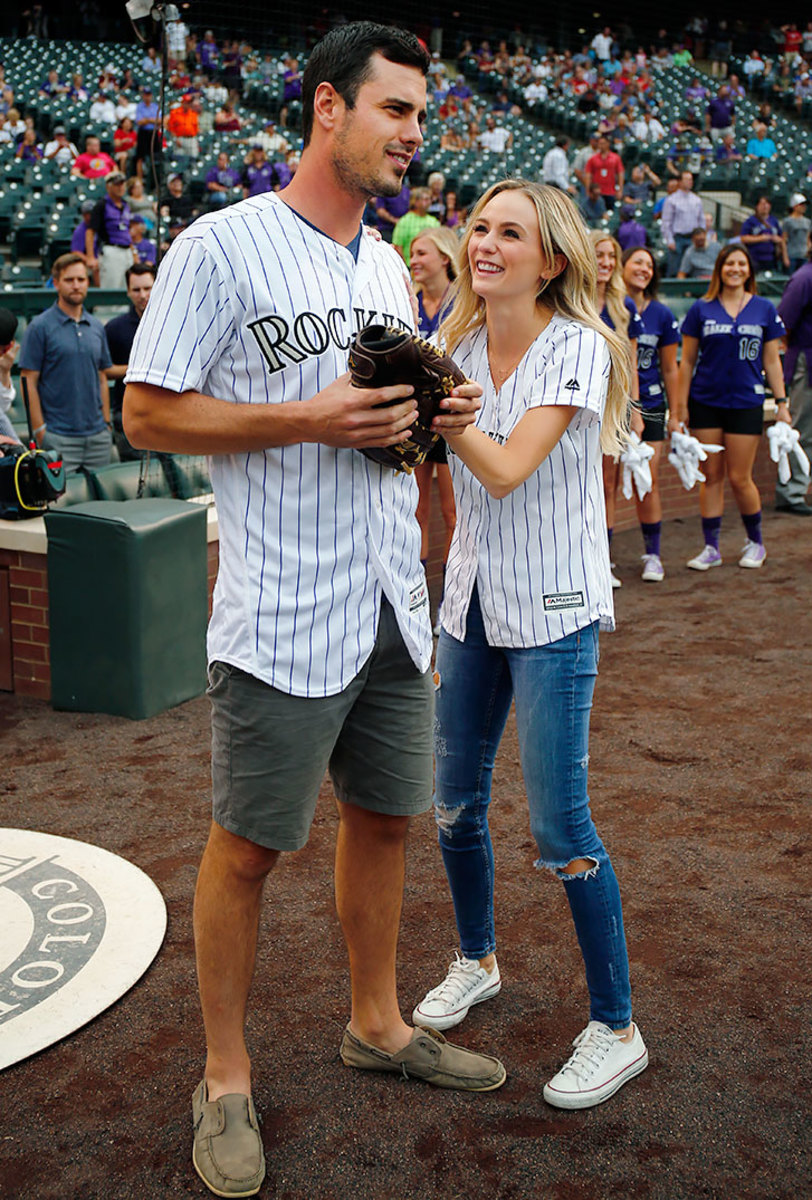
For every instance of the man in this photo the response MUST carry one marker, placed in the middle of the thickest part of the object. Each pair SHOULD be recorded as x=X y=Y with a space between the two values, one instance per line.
x=795 y=311
x=103 y=109
x=319 y=557
x=184 y=125
x=495 y=138
x=602 y=44
x=94 y=162
x=555 y=167
x=259 y=174
x=150 y=136
x=606 y=169
x=720 y=115
x=120 y=333
x=59 y=149
x=221 y=181
x=640 y=188
x=682 y=213
x=144 y=250
x=593 y=207
x=413 y=222
x=275 y=145
x=64 y=359
x=389 y=210
x=761 y=233
x=581 y=158
x=700 y=256
x=110 y=223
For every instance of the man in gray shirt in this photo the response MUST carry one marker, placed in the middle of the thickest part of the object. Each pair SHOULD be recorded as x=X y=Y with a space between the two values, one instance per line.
x=698 y=259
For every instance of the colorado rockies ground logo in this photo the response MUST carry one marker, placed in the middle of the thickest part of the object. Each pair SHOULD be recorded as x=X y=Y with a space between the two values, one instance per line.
x=79 y=926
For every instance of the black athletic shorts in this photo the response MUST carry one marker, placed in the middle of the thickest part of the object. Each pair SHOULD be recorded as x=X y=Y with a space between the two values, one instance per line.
x=729 y=420
x=654 y=423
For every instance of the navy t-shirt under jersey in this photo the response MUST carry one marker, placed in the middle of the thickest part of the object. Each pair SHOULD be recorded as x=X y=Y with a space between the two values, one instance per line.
x=635 y=324
x=729 y=368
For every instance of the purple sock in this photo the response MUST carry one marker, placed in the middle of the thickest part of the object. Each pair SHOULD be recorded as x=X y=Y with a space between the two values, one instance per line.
x=711 y=528
x=651 y=536
x=609 y=533
x=752 y=523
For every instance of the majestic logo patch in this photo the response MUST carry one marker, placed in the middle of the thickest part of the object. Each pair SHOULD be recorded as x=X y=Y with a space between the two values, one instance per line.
x=555 y=601
x=418 y=597
x=80 y=926
x=572 y=386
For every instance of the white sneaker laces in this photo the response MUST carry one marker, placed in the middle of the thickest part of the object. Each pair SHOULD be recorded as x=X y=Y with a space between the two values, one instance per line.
x=591 y=1048
x=463 y=975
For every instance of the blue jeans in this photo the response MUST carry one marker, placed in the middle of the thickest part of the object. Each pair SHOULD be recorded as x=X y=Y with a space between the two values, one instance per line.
x=552 y=686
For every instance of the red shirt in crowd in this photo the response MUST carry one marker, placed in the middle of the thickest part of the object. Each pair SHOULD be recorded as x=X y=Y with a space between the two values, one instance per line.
x=605 y=170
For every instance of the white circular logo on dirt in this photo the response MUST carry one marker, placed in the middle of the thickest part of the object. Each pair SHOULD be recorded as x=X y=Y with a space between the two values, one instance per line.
x=79 y=927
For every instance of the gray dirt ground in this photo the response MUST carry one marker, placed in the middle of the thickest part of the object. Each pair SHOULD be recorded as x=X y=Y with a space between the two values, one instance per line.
x=700 y=781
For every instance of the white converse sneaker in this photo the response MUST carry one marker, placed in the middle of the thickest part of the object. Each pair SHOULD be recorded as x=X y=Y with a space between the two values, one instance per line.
x=653 y=570
x=616 y=580
x=753 y=554
x=601 y=1064
x=710 y=557
x=466 y=984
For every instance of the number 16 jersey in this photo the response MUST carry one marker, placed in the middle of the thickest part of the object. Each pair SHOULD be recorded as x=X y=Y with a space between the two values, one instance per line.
x=729 y=368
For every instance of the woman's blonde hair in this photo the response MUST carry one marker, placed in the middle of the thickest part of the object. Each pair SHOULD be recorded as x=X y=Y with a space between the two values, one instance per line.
x=448 y=245
x=615 y=287
x=571 y=294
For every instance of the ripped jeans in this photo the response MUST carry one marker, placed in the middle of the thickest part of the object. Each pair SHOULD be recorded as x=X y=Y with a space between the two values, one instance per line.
x=552 y=686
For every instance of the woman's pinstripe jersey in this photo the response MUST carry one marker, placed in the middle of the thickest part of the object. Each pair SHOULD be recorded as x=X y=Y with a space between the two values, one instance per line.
x=254 y=305
x=540 y=556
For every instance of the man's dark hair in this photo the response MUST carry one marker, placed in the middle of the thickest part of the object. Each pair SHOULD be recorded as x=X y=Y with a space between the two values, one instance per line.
x=139 y=268
x=342 y=58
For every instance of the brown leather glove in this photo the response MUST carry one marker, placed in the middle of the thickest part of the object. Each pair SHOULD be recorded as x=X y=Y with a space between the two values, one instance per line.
x=383 y=356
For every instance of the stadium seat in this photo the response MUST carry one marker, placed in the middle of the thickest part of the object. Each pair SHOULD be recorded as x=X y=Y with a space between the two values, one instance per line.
x=121 y=481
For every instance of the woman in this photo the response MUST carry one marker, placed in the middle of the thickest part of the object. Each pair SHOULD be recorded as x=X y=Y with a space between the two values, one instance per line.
x=433 y=264
x=140 y=202
x=436 y=186
x=453 y=216
x=657 y=383
x=618 y=312
x=527 y=589
x=124 y=140
x=29 y=149
x=730 y=340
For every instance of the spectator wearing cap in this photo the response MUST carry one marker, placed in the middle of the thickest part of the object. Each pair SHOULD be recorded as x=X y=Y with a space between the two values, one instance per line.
x=59 y=149
x=275 y=144
x=764 y=238
x=209 y=53
x=63 y=360
x=78 y=242
x=124 y=142
x=221 y=180
x=93 y=163
x=259 y=174
x=796 y=231
x=184 y=125
x=103 y=109
x=110 y=221
x=149 y=138
x=699 y=258
x=631 y=235
x=803 y=91
x=120 y=333
x=176 y=205
x=144 y=250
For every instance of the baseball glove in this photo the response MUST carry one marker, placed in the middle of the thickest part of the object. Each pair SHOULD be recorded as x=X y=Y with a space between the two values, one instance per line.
x=383 y=356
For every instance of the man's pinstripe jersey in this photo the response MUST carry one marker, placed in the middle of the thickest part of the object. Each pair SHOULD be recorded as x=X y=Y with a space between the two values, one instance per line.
x=254 y=305
x=540 y=556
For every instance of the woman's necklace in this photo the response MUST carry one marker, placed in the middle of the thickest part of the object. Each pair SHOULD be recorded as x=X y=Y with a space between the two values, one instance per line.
x=745 y=296
x=504 y=368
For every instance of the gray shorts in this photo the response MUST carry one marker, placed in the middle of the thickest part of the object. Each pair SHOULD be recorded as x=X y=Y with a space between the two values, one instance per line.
x=270 y=750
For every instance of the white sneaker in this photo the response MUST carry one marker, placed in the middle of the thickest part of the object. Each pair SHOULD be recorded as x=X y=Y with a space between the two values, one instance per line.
x=753 y=554
x=710 y=557
x=601 y=1064
x=653 y=570
x=616 y=583
x=466 y=984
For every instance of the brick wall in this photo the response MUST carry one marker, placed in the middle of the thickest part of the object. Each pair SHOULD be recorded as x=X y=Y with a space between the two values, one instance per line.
x=28 y=596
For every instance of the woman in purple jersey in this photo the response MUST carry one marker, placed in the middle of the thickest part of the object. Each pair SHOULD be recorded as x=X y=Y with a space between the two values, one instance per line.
x=657 y=380
x=619 y=313
x=730 y=341
x=527 y=590
x=433 y=264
